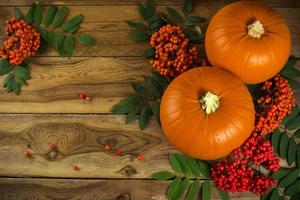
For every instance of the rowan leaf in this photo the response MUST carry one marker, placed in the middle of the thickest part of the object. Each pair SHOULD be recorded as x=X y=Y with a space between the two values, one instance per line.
x=193 y=164
x=175 y=164
x=17 y=13
x=290 y=178
x=74 y=21
x=69 y=46
x=293 y=189
x=206 y=190
x=291 y=62
x=183 y=186
x=187 y=7
x=153 y=86
x=144 y=117
x=292 y=150
x=30 y=14
x=175 y=17
x=194 y=190
x=5 y=67
x=155 y=107
x=150 y=8
x=204 y=168
x=294 y=113
x=283 y=146
x=141 y=90
x=275 y=140
x=17 y=88
x=171 y=191
x=294 y=123
x=293 y=84
x=59 y=17
x=139 y=36
x=59 y=43
x=223 y=194
x=130 y=117
x=162 y=81
x=38 y=16
x=86 y=40
x=48 y=19
x=137 y=25
x=290 y=73
x=274 y=195
x=163 y=175
x=194 y=20
x=183 y=164
x=149 y=53
x=282 y=172
x=298 y=156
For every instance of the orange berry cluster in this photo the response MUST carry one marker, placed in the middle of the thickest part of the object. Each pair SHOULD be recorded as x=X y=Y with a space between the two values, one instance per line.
x=277 y=101
x=172 y=53
x=23 y=41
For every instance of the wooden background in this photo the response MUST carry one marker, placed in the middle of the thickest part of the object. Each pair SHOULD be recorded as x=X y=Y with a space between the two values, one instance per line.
x=49 y=111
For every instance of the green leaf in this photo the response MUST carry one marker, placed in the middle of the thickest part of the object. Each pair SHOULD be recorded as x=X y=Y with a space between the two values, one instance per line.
x=294 y=124
x=153 y=86
x=187 y=7
x=275 y=140
x=183 y=186
x=282 y=172
x=74 y=29
x=126 y=105
x=43 y=46
x=17 y=88
x=206 y=190
x=194 y=190
x=130 y=117
x=143 y=11
x=175 y=17
x=194 y=20
x=86 y=40
x=183 y=163
x=137 y=25
x=290 y=73
x=297 y=134
x=175 y=164
x=274 y=195
x=156 y=25
x=5 y=67
x=266 y=196
x=141 y=90
x=17 y=13
x=7 y=79
x=69 y=46
x=223 y=194
x=38 y=16
x=155 y=110
x=293 y=189
x=171 y=191
x=291 y=62
x=193 y=35
x=193 y=164
x=298 y=156
x=290 y=178
x=162 y=81
x=44 y=33
x=294 y=113
x=30 y=15
x=292 y=152
x=150 y=8
x=204 y=168
x=163 y=175
x=293 y=84
x=144 y=117
x=74 y=21
x=139 y=36
x=59 y=17
x=48 y=19
x=59 y=42
x=149 y=53
x=22 y=73
x=283 y=146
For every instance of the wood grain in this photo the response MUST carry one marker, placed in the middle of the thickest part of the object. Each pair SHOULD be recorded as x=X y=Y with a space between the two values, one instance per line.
x=80 y=140
x=73 y=189
x=57 y=82
x=107 y=24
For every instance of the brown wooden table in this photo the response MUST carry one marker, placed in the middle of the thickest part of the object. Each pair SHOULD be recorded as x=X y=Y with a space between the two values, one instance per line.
x=49 y=111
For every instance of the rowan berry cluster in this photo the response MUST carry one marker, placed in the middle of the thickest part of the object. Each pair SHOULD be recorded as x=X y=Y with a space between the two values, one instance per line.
x=173 y=55
x=22 y=42
x=236 y=173
x=277 y=101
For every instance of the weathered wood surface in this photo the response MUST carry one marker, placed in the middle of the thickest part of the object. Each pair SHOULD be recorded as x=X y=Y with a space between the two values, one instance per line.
x=74 y=189
x=107 y=24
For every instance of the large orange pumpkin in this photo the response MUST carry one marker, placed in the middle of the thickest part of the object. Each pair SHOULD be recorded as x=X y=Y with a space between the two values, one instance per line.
x=249 y=39
x=207 y=112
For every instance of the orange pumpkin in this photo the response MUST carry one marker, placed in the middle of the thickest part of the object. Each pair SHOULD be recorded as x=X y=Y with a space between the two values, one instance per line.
x=207 y=112
x=249 y=39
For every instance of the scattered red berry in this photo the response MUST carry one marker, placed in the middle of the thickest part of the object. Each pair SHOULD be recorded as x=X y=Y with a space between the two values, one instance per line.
x=173 y=55
x=276 y=102
x=118 y=152
x=82 y=96
x=140 y=157
x=23 y=41
x=27 y=153
x=87 y=98
x=75 y=167
x=53 y=146
x=107 y=147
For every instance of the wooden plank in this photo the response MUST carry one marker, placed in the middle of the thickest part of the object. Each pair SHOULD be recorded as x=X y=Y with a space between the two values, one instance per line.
x=279 y=3
x=80 y=140
x=107 y=25
x=45 y=189
x=57 y=82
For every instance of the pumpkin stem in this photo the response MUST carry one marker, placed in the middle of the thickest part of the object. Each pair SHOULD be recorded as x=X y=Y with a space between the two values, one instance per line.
x=256 y=29
x=209 y=102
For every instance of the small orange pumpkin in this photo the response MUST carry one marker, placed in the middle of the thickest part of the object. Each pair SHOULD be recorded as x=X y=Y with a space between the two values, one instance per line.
x=249 y=39
x=207 y=112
